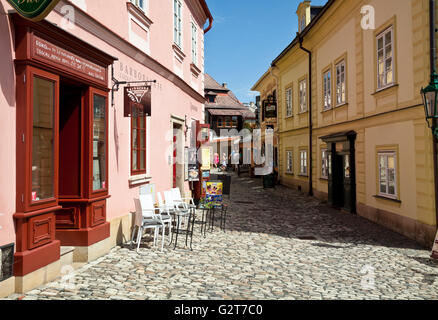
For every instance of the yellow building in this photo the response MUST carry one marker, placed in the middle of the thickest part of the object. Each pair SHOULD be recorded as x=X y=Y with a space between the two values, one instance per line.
x=267 y=86
x=371 y=152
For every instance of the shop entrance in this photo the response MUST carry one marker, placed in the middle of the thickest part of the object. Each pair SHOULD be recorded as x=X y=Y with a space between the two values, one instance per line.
x=70 y=136
x=342 y=172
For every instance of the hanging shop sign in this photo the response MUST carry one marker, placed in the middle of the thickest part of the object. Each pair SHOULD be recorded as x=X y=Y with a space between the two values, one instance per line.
x=35 y=10
x=138 y=101
x=270 y=107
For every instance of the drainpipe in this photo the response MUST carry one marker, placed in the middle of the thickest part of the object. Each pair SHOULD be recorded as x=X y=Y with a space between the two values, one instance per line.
x=310 y=116
x=271 y=70
x=432 y=39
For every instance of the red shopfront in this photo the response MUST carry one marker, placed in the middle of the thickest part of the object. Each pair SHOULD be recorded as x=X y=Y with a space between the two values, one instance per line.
x=62 y=143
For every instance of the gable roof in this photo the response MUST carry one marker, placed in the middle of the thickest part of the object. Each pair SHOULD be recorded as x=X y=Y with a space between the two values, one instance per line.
x=212 y=85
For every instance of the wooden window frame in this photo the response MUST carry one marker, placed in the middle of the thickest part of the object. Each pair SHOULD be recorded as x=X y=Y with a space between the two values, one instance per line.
x=325 y=85
x=388 y=151
x=324 y=150
x=382 y=35
x=178 y=24
x=289 y=101
x=302 y=94
x=291 y=158
x=306 y=152
x=139 y=132
x=342 y=62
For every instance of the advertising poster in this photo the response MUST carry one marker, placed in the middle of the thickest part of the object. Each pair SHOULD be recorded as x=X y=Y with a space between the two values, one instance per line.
x=214 y=193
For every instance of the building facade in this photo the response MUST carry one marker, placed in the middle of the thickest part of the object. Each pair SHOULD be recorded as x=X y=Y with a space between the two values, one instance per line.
x=364 y=138
x=75 y=159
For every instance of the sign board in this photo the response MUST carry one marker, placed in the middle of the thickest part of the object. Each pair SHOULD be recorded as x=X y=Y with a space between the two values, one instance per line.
x=56 y=56
x=193 y=173
x=270 y=108
x=137 y=101
x=206 y=161
x=35 y=10
x=214 y=193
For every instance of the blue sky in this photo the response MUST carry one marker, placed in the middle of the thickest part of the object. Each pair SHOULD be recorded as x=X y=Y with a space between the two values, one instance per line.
x=246 y=36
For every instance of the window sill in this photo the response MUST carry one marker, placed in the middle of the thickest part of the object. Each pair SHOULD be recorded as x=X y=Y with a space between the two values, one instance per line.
x=139 y=14
x=324 y=179
x=289 y=117
x=303 y=112
x=179 y=53
x=385 y=89
x=139 y=179
x=195 y=70
x=289 y=173
x=342 y=105
x=387 y=198
x=303 y=175
x=326 y=110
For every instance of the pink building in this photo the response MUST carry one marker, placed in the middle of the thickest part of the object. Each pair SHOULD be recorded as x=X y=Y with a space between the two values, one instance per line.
x=72 y=161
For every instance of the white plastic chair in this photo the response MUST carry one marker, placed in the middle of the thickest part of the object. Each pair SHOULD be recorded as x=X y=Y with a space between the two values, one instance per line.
x=179 y=208
x=165 y=212
x=145 y=219
x=189 y=203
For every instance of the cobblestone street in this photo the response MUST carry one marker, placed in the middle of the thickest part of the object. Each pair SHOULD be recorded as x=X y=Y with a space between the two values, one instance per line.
x=279 y=244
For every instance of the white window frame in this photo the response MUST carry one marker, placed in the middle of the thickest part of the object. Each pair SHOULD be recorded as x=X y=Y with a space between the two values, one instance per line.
x=289 y=110
x=178 y=23
x=194 y=43
x=289 y=162
x=387 y=154
x=382 y=76
x=327 y=90
x=303 y=162
x=141 y=4
x=341 y=84
x=324 y=164
x=303 y=95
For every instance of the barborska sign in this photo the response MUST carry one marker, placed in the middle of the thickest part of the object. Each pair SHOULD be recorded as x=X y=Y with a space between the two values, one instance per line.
x=35 y=10
x=138 y=101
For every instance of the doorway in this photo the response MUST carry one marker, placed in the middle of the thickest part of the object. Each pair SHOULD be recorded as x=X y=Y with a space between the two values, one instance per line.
x=70 y=138
x=178 y=157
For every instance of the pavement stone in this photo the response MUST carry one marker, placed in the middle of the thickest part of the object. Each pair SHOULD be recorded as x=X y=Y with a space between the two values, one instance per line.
x=278 y=244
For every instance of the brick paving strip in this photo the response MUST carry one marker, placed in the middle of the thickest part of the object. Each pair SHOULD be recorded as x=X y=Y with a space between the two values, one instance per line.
x=279 y=244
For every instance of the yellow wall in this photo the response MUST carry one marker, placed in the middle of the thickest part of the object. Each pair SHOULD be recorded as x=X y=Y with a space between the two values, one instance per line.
x=390 y=117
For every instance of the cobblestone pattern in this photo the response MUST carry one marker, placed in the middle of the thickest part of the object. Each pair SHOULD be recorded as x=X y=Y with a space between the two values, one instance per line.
x=279 y=244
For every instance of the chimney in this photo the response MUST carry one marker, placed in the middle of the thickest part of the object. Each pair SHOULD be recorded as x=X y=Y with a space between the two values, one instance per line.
x=225 y=85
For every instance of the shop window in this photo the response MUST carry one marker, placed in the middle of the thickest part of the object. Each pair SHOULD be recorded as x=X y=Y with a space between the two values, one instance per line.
x=220 y=122
x=43 y=138
x=385 y=59
x=138 y=147
x=324 y=164
x=289 y=162
x=303 y=162
x=387 y=174
x=227 y=122
x=99 y=142
x=327 y=90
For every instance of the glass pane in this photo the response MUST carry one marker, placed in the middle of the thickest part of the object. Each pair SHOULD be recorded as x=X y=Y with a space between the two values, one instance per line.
x=142 y=159
x=43 y=138
x=142 y=139
x=99 y=138
x=382 y=187
x=134 y=160
x=134 y=138
x=142 y=122
x=391 y=162
x=391 y=175
x=380 y=43
x=388 y=51
x=391 y=188
x=388 y=38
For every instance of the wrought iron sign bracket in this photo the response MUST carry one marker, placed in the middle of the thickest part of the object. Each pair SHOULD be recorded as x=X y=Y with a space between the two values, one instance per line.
x=117 y=83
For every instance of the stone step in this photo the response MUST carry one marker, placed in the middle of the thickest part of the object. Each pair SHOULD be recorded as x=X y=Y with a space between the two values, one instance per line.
x=67 y=256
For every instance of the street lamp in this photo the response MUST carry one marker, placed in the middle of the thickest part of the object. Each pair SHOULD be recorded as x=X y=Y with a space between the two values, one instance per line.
x=430 y=100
